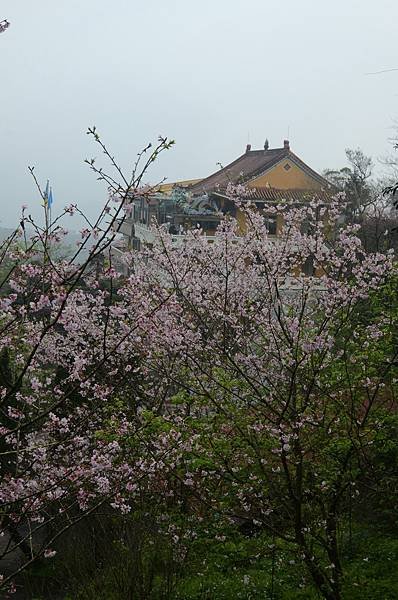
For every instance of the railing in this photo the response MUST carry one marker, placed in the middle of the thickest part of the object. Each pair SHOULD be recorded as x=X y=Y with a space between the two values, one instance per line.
x=147 y=235
x=126 y=227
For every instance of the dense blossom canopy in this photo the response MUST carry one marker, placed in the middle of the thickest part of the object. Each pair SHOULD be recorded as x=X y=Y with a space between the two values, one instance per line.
x=218 y=368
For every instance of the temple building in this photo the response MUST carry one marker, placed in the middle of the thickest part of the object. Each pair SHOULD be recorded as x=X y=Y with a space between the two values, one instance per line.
x=270 y=176
x=278 y=168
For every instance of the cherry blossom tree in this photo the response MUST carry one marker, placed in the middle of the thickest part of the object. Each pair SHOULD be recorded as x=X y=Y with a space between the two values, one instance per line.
x=279 y=382
x=215 y=378
x=67 y=351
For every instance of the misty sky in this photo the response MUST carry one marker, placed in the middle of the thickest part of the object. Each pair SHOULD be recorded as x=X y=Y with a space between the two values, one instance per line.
x=212 y=74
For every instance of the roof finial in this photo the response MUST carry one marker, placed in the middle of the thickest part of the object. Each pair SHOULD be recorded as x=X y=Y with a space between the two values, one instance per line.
x=248 y=148
x=266 y=144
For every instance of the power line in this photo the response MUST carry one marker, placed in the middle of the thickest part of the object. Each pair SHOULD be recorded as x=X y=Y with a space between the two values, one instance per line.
x=383 y=71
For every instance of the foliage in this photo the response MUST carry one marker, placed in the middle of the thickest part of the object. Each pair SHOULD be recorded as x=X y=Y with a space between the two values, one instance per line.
x=355 y=182
x=366 y=201
x=239 y=566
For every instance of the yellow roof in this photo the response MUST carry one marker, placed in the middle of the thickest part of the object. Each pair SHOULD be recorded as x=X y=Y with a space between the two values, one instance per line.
x=167 y=188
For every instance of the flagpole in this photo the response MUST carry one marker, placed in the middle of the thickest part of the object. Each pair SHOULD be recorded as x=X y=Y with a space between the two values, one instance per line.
x=46 y=215
x=50 y=203
x=50 y=200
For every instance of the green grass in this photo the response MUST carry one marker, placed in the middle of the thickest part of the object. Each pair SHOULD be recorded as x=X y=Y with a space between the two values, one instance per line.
x=238 y=567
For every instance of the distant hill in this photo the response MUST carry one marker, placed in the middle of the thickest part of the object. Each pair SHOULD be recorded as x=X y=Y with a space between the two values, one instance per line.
x=69 y=245
x=5 y=232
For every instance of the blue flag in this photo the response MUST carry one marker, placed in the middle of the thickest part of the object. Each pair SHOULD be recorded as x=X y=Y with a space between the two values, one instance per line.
x=50 y=198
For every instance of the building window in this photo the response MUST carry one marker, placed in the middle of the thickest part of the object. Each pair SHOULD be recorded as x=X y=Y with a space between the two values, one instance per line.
x=270 y=223
x=287 y=167
x=308 y=267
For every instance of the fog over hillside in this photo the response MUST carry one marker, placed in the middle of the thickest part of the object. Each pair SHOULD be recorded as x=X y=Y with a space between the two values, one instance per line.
x=69 y=245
